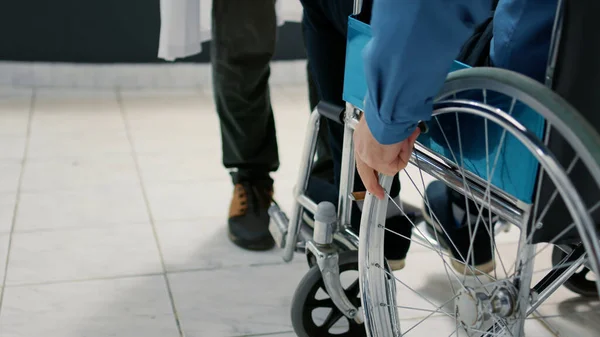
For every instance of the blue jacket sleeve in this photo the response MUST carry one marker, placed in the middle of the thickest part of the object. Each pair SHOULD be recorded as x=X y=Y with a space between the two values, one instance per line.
x=406 y=62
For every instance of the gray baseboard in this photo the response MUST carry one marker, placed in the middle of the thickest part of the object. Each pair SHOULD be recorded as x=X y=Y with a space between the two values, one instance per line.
x=130 y=76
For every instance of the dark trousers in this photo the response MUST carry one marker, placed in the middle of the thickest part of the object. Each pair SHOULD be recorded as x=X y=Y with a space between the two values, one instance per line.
x=325 y=25
x=243 y=42
x=323 y=165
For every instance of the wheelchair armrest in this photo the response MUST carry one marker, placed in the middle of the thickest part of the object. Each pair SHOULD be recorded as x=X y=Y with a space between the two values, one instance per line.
x=331 y=111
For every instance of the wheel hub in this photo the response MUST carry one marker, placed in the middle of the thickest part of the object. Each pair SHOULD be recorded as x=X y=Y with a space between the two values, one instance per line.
x=473 y=308
x=469 y=309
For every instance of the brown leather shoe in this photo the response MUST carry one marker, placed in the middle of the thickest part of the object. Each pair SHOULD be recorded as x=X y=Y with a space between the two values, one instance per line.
x=248 y=218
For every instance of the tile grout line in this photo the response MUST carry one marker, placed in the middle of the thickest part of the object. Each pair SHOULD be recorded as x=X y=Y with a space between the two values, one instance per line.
x=267 y=334
x=18 y=194
x=127 y=276
x=148 y=209
x=175 y=271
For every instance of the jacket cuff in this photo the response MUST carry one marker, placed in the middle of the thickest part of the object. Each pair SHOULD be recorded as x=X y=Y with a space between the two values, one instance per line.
x=386 y=133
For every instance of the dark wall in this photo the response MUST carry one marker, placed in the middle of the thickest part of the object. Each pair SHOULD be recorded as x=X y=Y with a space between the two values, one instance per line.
x=99 y=31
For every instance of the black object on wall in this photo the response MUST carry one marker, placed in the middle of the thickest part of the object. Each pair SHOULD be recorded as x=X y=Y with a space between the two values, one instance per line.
x=100 y=31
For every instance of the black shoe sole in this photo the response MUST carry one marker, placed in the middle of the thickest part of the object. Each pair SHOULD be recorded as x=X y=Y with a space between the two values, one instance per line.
x=264 y=244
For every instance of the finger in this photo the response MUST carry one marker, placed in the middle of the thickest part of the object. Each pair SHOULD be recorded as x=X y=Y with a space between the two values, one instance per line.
x=407 y=149
x=404 y=158
x=413 y=137
x=389 y=169
x=369 y=178
x=398 y=163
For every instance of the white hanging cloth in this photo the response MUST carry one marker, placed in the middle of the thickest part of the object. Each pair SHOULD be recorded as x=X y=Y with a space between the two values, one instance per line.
x=185 y=24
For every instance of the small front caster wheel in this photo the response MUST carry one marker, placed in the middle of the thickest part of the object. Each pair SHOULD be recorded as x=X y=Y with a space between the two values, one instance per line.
x=313 y=311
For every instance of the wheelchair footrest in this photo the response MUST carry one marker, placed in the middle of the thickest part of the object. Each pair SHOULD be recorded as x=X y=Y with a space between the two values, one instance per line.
x=279 y=224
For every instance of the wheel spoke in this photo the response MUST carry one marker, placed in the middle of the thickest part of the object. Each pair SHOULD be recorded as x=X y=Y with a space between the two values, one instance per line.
x=431 y=314
x=439 y=311
x=465 y=186
x=467 y=261
x=353 y=290
x=437 y=238
x=416 y=292
x=324 y=303
x=432 y=247
x=550 y=201
x=334 y=316
x=440 y=252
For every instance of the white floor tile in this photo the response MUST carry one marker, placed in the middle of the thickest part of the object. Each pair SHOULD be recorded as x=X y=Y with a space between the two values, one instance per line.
x=15 y=105
x=78 y=144
x=564 y=302
x=163 y=140
x=186 y=115
x=204 y=243
x=283 y=334
x=4 y=239
x=584 y=323
x=10 y=171
x=11 y=93
x=189 y=200
x=68 y=96
x=12 y=147
x=75 y=121
x=76 y=173
x=156 y=117
x=122 y=308
x=83 y=254
x=95 y=207
x=236 y=302
x=138 y=99
x=202 y=166
x=7 y=209
x=570 y=303
x=13 y=123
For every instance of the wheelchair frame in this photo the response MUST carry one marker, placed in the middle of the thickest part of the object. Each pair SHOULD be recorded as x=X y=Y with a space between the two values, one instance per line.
x=321 y=249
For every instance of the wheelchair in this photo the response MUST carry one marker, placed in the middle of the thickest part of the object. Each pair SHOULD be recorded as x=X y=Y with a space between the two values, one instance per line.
x=527 y=165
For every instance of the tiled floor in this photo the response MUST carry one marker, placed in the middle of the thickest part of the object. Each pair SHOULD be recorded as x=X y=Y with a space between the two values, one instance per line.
x=112 y=222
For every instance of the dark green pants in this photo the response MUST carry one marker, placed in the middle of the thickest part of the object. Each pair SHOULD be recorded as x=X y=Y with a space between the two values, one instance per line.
x=243 y=42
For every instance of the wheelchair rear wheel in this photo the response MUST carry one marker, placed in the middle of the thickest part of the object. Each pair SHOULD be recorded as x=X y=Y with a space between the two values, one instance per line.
x=486 y=145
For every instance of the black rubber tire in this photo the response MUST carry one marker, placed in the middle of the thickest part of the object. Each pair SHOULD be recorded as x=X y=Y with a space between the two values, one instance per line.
x=578 y=283
x=304 y=302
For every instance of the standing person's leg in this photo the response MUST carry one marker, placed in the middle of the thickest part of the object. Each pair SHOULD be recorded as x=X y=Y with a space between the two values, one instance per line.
x=244 y=34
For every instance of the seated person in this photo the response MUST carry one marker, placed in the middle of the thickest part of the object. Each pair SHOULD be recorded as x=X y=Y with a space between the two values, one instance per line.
x=406 y=64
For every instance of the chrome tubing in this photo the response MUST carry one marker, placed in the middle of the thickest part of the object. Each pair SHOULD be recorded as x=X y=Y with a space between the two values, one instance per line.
x=357 y=7
x=308 y=153
x=564 y=277
x=455 y=181
x=555 y=43
x=347 y=170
